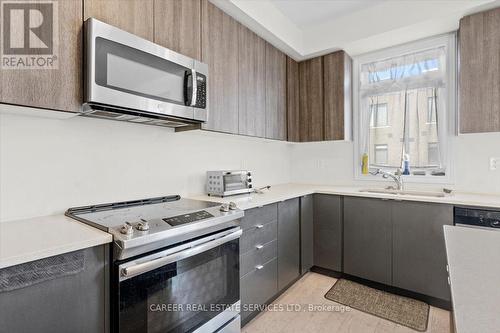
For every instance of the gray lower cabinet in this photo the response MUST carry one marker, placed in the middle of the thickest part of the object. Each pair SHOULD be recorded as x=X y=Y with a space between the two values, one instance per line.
x=258 y=258
x=328 y=231
x=367 y=239
x=306 y=233
x=419 y=253
x=73 y=302
x=288 y=242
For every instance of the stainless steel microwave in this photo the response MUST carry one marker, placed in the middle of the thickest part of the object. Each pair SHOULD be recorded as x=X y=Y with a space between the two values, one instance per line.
x=132 y=79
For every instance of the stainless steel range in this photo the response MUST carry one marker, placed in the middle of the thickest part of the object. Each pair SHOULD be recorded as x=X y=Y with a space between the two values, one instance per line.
x=175 y=264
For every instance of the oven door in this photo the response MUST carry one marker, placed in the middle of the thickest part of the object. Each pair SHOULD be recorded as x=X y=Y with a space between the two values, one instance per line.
x=190 y=287
x=126 y=71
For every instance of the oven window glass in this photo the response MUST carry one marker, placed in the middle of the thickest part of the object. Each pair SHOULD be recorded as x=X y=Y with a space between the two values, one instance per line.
x=235 y=182
x=129 y=70
x=182 y=296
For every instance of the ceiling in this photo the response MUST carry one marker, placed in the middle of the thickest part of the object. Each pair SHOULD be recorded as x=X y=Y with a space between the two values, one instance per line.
x=307 y=13
x=307 y=28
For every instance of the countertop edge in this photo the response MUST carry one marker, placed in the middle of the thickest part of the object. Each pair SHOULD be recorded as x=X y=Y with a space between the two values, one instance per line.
x=290 y=191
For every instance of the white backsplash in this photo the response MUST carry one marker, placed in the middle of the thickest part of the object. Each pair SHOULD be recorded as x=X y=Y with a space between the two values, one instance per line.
x=48 y=165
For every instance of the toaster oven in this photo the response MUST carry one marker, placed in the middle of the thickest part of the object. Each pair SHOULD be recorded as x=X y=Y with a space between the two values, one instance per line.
x=224 y=183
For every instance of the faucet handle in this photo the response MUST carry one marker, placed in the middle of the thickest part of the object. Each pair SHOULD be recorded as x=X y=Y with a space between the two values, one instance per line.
x=398 y=172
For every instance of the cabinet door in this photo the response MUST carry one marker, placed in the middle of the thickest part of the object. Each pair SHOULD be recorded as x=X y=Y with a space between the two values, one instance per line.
x=134 y=16
x=219 y=46
x=367 y=239
x=56 y=89
x=177 y=26
x=288 y=242
x=68 y=303
x=419 y=253
x=292 y=100
x=337 y=94
x=311 y=99
x=275 y=93
x=328 y=231
x=306 y=233
x=252 y=87
x=479 y=85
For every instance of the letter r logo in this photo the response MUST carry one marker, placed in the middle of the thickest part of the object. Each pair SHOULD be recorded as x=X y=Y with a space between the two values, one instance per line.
x=27 y=28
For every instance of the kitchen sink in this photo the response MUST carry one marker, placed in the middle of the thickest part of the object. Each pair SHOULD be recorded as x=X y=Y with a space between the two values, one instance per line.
x=406 y=192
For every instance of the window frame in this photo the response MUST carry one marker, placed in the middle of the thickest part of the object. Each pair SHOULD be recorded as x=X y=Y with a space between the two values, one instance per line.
x=449 y=40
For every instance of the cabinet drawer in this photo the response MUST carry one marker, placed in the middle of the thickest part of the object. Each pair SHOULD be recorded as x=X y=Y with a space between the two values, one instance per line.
x=259 y=215
x=258 y=256
x=258 y=286
x=262 y=234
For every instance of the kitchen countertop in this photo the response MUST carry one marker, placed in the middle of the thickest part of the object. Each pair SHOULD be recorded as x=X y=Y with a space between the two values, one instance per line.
x=288 y=191
x=474 y=270
x=32 y=239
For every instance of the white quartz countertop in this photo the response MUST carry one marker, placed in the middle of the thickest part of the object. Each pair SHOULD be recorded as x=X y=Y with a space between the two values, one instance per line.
x=474 y=270
x=32 y=239
x=288 y=191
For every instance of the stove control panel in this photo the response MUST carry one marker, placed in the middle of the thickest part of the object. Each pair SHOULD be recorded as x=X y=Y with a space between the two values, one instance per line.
x=188 y=218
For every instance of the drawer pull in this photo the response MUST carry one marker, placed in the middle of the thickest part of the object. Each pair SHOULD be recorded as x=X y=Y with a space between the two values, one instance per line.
x=259 y=226
x=259 y=267
x=258 y=247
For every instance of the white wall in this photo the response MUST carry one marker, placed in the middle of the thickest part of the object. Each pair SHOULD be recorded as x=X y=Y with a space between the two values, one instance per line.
x=49 y=165
x=332 y=163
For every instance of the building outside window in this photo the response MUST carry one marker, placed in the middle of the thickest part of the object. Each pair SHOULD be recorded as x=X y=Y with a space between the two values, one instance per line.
x=413 y=86
x=433 y=154
x=381 y=155
x=431 y=110
x=378 y=115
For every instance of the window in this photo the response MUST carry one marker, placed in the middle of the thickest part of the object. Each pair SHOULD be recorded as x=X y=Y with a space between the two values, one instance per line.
x=378 y=115
x=381 y=154
x=413 y=86
x=431 y=110
x=433 y=154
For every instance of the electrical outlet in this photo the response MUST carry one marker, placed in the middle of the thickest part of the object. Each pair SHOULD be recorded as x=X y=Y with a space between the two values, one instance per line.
x=494 y=163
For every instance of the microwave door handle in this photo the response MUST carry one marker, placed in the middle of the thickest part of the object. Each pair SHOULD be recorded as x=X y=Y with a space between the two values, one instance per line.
x=147 y=266
x=194 y=87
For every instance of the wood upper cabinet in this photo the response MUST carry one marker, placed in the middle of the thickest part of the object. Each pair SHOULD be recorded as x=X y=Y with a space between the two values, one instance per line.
x=275 y=93
x=177 y=26
x=292 y=100
x=311 y=99
x=337 y=95
x=252 y=83
x=219 y=46
x=479 y=78
x=56 y=89
x=134 y=16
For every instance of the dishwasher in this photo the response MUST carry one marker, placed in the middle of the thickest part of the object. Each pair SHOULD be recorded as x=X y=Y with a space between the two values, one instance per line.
x=483 y=218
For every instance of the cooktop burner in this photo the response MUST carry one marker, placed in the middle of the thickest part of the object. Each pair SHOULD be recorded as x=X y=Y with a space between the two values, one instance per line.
x=140 y=226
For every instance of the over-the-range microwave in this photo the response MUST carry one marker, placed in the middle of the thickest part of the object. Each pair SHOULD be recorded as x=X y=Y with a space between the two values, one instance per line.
x=132 y=79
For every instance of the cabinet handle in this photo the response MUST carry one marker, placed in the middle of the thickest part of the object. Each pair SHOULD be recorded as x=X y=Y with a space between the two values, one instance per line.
x=259 y=226
x=258 y=247
x=259 y=267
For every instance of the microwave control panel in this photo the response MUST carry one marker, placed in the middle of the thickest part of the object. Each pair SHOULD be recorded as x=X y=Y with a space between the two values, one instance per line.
x=201 y=91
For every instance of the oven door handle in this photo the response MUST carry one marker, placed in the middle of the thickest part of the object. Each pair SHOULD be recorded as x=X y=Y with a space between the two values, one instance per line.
x=147 y=266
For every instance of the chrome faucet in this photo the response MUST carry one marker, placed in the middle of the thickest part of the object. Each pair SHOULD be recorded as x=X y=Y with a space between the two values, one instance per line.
x=397 y=177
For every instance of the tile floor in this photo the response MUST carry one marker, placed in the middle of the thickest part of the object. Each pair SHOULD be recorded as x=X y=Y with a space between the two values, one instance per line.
x=310 y=289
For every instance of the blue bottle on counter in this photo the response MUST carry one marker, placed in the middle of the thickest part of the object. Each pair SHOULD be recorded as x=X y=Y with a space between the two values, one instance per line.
x=406 y=164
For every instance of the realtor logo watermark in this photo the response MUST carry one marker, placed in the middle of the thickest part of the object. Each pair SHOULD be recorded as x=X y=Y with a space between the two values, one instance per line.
x=30 y=35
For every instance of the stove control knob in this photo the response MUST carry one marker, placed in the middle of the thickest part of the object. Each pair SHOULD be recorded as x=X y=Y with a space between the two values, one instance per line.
x=126 y=229
x=224 y=207
x=142 y=226
x=232 y=206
